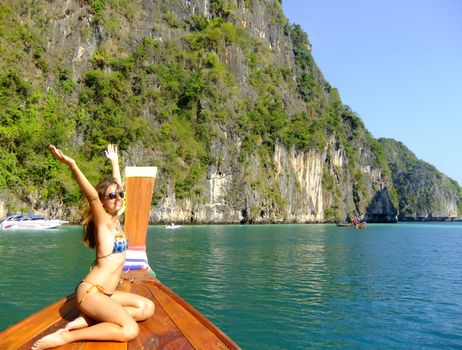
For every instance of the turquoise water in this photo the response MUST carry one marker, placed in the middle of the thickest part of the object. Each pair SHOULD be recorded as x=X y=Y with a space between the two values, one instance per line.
x=276 y=286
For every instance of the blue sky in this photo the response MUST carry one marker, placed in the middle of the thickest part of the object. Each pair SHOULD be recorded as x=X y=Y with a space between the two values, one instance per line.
x=398 y=65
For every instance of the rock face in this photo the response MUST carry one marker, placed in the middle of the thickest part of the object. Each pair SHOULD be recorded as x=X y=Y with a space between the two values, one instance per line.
x=293 y=191
x=279 y=144
x=424 y=192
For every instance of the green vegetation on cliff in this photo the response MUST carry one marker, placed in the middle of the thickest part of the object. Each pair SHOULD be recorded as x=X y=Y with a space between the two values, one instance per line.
x=171 y=86
x=164 y=94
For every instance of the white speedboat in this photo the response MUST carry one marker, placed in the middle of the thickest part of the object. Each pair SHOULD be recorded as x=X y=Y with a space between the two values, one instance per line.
x=30 y=222
x=172 y=226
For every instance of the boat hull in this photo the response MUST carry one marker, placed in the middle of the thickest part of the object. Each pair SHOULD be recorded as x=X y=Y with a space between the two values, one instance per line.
x=172 y=227
x=30 y=222
x=361 y=225
x=47 y=224
x=174 y=325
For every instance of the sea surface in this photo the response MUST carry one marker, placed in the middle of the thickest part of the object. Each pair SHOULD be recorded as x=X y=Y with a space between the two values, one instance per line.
x=390 y=286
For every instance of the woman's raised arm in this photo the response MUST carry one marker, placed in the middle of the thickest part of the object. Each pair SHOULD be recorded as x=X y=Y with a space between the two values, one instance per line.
x=87 y=188
x=113 y=156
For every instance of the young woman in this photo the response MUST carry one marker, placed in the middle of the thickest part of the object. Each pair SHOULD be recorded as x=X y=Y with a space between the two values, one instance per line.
x=106 y=314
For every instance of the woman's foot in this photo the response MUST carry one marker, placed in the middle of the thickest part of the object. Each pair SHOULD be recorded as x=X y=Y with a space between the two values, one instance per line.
x=52 y=340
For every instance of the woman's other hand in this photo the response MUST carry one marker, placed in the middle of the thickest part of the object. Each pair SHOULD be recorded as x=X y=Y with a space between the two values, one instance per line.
x=111 y=153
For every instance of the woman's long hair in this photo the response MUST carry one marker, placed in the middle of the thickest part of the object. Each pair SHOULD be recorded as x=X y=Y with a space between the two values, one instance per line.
x=87 y=219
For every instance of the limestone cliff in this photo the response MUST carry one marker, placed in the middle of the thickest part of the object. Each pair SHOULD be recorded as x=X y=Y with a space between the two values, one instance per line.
x=424 y=192
x=223 y=96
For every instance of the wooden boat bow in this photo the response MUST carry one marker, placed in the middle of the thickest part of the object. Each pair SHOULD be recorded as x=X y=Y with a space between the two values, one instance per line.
x=175 y=323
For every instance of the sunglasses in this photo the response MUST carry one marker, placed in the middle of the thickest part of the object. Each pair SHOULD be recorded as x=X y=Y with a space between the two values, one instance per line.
x=113 y=195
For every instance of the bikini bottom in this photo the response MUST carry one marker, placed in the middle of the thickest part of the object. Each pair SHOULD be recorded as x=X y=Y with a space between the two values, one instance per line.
x=93 y=286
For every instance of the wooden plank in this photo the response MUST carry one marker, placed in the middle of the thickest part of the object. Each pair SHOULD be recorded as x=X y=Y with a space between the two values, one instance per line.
x=100 y=345
x=159 y=331
x=227 y=341
x=20 y=334
x=201 y=335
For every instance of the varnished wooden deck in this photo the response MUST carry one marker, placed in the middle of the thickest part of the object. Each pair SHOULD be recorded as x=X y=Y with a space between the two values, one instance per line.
x=175 y=325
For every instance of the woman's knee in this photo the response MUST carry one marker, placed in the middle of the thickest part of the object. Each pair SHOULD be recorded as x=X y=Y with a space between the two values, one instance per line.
x=148 y=308
x=130 y=331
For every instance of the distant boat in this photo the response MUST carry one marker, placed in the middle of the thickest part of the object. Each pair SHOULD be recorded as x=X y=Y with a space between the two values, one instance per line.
x=172 y=226
x=30 y=222
x=350 y=224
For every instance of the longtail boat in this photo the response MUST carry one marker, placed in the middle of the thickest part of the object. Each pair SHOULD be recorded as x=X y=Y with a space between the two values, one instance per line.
x=175 y=323
x=350 y=224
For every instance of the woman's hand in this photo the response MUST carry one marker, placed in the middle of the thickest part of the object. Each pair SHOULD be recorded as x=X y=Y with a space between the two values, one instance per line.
x=59 y=155
x=112 y=153
x=113 y=156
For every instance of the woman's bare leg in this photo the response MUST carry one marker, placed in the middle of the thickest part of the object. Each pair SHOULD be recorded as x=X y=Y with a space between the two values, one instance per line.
x=115 y=324
x=99 y=331
x=79 y=322
x=138 y=307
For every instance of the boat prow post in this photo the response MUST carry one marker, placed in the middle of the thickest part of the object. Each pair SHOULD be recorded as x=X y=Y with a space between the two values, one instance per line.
x=139 y=186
